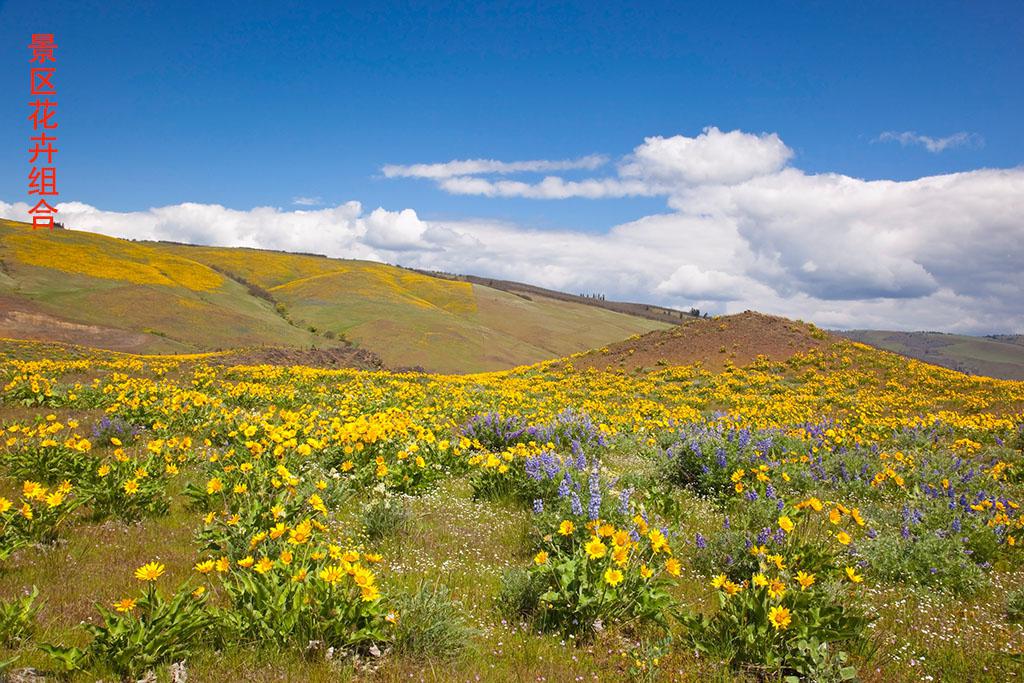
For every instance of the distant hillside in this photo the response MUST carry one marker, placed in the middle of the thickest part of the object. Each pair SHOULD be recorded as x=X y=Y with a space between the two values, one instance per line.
x=154 y=297
x=650 y=311
x=995 y=356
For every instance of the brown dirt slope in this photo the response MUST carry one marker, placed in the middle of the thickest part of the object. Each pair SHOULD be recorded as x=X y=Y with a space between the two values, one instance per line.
x=738 y=339
x=22 y=319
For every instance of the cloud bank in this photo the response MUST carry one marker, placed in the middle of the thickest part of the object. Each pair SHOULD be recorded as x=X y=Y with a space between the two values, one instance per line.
x=742 y=229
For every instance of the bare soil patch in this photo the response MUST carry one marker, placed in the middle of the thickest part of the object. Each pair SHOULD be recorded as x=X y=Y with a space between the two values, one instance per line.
x=738 y=339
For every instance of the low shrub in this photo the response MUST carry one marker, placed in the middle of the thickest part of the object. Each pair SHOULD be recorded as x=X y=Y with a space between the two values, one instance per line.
x=430 y=624
x=929 y=560
x=17 y=618
x=1015 y=606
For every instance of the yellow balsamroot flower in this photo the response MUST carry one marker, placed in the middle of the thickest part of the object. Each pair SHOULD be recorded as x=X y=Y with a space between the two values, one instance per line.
x=646 y=572
x=760 y=580
x=204 y=567
x=620 y=555
x=301 y=533
x=605 y=530
x=213 y=486
x=621 y=538
x=300 y=576
x=5 y=505
x=151 y=571
x=835 y=516
x=595 y=548
x=852 y=574
x=317 y=503
x=199 y=591
x=843 y=538
x=131 y=487
x=719 y=581
x=658 y=541
x=786 y=524
x=362 y=576
x=103 y=470
x=780 y=617
x=566 y=528
x=805 y=580
x=373 y=557
x=264 y=565
x=613 y=577
x=116 y=441
x=285 y=557
x=731 y=588
x=540 y=558
x=369 y=593
x=332 y=574
x=124 y=605
x=247 y=561
x=776 y=589
x=673 y=566
x=222 y=565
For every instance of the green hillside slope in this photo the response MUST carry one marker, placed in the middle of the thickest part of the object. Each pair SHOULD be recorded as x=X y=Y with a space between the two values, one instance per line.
x=158 y=297
x=989 y=356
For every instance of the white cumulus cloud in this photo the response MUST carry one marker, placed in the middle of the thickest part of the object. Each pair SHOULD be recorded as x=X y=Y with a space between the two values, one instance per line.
x=933 y=145
x=465 y=167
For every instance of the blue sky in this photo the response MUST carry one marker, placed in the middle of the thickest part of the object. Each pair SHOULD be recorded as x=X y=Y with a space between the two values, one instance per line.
x=254 y=104
x=249 y=104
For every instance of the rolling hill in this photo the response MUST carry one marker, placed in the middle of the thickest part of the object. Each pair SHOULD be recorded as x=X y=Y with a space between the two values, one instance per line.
x=995 y=356
x=737 y=339
x=155 y=297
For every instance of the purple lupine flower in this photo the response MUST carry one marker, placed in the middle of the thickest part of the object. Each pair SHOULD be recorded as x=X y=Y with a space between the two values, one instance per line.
x=563 y=488
x=538 y=506
x=624 y=500
x=532 y=467
x=725 y=522
x=700 y=541
x=594 y=504
x=577 y=506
